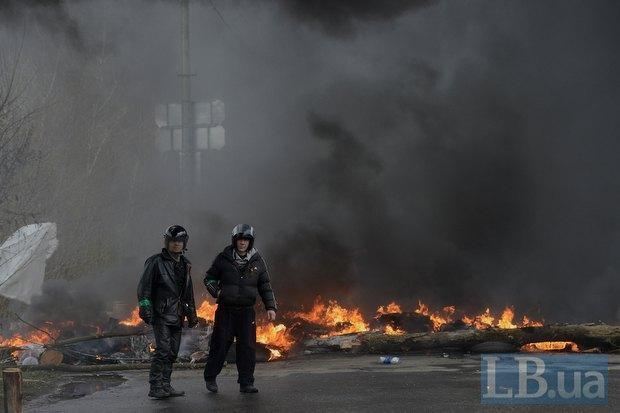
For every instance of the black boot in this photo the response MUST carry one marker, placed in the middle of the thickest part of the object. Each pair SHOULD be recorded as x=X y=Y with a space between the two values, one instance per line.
x=248 y=388
x=158 y=392
x=212 y=386
x=172 y=392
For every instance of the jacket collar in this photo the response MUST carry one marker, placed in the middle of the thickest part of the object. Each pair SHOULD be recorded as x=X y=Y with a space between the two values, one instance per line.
x=228 y=253
x=248 y=255
x=167 y=256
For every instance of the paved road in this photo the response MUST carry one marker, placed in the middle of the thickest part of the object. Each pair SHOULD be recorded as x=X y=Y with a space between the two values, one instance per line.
x=318 y=383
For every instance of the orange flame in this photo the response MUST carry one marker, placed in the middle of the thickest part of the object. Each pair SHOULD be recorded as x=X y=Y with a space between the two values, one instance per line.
x=446 y=315
x=333 y=315
x=438 y=318
x=20 y=340
x=487 y=320
x=530 y=323
x=206 y=310
x=505 y=320
x=275 y=337
x=275 y=354
x=391 y=308
x=551 y=346
x=391 y=331
x=133 y=320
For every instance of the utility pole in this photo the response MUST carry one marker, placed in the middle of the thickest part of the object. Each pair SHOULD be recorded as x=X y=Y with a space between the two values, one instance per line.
x=189 y=128
x=186 y=154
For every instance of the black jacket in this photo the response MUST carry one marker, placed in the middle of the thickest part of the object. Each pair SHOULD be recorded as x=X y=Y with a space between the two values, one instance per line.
x=170 y=303
x=240 y=288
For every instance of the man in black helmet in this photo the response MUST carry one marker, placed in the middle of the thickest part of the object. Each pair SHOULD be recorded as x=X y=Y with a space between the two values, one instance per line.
x=238 y=274
x=165 y=299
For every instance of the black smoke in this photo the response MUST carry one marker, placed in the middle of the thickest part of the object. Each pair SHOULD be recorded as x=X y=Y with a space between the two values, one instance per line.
x=460 y=153
x=338 y=17
x=50 y=16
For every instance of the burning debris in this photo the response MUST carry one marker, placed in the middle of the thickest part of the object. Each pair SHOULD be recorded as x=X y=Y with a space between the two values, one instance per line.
x=326 y=326
x=422 y=318
x=335 y=318
x=567 y=346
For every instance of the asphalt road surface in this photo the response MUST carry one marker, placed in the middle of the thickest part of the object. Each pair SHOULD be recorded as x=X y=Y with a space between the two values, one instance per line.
x=309 y=384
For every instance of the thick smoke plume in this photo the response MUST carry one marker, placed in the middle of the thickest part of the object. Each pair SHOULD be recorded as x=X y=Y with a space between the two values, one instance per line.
x=459 y=152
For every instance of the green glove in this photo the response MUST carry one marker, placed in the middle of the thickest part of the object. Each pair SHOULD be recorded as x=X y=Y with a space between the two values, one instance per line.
x=146 y=311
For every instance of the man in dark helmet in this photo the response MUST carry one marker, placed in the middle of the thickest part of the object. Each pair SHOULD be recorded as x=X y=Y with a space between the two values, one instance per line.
x=165 y=299
x=238 y=274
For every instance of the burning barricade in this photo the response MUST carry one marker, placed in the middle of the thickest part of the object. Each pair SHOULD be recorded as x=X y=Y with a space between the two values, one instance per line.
x=326 y=326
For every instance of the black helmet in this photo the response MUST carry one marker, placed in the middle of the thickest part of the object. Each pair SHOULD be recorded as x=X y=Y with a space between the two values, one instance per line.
x=243 y=231
x=176 y=233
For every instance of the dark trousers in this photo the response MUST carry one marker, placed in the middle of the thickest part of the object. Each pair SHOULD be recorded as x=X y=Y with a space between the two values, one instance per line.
x=239 y=323
x=167 y=341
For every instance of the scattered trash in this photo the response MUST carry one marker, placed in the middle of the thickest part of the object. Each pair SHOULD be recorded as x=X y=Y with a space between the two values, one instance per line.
x=30 y=361
x=389 y=359
x=22 y=260
x=30 y=355
x=198 y=357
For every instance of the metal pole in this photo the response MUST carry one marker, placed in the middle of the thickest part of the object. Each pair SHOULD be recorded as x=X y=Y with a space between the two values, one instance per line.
x=186 y=162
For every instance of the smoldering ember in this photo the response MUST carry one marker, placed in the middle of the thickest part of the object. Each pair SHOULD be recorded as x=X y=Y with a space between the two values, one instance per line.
x=317 y=201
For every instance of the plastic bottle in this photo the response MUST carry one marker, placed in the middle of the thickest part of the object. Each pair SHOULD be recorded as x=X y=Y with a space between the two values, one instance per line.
x=389 y=359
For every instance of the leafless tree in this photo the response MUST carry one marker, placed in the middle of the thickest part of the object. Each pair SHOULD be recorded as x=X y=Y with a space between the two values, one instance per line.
x=16 y=152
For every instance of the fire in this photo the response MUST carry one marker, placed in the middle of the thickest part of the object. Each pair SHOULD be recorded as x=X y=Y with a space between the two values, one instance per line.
x=389 y=330
x=530 y=323
x=551 y=346
x=274 y=336
x=275 y=354
x=505 y=320
x=333 y=318
x=391 y=308
x=333 y=315
x=206 y=310
x=133 y=320
x=438 y=318
x=19 y=340
x=487 y=320
x=444 y=316
x=484 y=320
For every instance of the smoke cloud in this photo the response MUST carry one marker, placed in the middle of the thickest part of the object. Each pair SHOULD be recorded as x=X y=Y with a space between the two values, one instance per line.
x=460 y=153
x=338 y=18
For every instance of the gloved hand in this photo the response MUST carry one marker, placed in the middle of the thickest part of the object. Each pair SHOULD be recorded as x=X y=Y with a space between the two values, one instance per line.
x=213 y=289
x=192 y=320
x=145 y=311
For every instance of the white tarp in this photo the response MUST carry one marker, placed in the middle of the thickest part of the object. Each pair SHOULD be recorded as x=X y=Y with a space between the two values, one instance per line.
x=22 y=260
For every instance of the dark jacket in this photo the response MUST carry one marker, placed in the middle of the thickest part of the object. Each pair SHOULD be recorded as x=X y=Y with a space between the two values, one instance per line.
x=171 y=304
x=239 y=288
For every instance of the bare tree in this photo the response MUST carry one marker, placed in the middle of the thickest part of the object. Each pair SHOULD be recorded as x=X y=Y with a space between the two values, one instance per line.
x=15 y=147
